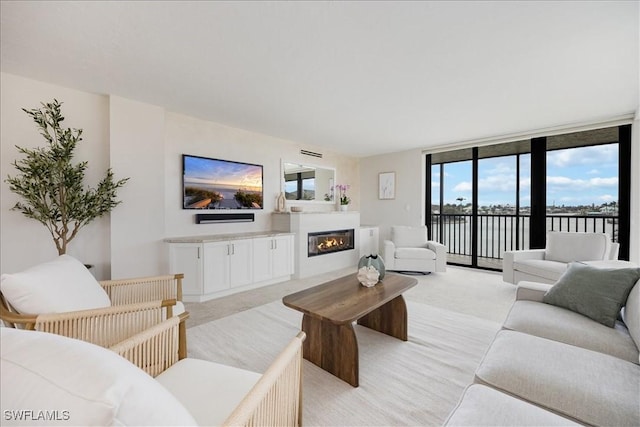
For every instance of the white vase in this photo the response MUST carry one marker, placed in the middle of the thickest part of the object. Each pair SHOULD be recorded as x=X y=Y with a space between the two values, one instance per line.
x=344 y=208
x=280 y=203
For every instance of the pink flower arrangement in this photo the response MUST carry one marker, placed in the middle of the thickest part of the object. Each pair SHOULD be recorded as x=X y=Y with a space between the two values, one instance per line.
x=342 y=189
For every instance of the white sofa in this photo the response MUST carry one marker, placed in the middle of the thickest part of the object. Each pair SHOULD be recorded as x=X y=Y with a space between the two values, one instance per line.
x=547 y=265
x=552 y=366
x=409 y=249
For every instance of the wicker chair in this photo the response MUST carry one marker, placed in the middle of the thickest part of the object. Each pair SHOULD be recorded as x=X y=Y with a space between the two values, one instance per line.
x=200 y=392
x=136 y=305
x=274 y=400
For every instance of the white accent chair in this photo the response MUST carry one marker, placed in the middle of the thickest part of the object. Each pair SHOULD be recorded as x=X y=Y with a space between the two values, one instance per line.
x=410 y=250
x=62 y=297
x=72 y=382
x=547 y=265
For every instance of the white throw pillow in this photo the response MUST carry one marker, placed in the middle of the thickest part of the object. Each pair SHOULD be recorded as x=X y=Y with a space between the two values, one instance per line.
x=58 y=286
x=49 y=379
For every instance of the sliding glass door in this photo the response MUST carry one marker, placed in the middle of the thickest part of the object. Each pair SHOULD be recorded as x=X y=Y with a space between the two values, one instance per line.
x=498 y=209
x=451 y=209
x=486 y=200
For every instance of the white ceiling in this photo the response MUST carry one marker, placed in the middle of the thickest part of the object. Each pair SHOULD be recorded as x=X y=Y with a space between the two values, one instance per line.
x=359 y=78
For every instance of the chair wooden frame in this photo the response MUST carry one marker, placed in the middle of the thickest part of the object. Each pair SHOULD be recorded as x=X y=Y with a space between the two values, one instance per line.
x=275 y=400
x=137 y=304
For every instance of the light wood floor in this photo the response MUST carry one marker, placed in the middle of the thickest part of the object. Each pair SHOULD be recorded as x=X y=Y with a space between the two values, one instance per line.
x=203 y=312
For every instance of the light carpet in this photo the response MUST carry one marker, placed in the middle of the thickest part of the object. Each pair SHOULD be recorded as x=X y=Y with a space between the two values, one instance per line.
x=417 y=382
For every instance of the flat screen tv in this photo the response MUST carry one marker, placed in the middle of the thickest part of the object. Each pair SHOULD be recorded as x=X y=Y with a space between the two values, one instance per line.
x=220 y=184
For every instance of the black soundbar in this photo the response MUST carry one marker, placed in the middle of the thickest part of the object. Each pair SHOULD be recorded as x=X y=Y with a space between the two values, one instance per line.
x=224 y=217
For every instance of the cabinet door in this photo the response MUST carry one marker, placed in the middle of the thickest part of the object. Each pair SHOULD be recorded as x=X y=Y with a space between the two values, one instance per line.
x=186 y=258
x=262 y=248
x=240 y=262
x=216 y=267
x=282 y=263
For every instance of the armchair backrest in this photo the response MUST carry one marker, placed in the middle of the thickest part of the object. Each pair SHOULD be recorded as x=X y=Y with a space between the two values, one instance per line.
x=276 y=399
x=614 y=251
x=570 y=247
x=404 y=236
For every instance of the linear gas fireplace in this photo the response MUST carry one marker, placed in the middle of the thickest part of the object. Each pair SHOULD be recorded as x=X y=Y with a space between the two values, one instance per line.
x=328 y=242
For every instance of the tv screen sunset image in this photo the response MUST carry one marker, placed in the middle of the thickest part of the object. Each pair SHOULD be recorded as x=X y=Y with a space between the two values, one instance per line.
x=221 y=184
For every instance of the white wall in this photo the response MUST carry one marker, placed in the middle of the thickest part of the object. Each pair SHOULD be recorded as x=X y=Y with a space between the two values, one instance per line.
x=24 y=241
x=137 y=224
x=145 y=143
x=188 y=135
x=408 y=206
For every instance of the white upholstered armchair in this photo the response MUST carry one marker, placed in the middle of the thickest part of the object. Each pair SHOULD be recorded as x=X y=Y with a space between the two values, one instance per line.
x=409 y=249
x=62 y=297
x=85 y=384
x=547 y=265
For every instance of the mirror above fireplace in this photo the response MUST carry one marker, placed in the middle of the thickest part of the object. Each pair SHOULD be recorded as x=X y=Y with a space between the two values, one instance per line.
x=310 y=183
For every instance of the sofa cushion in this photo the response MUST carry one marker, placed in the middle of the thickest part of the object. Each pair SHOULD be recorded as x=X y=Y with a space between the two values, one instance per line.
x=631 y=314
x=584 y=385
x=57 y=286
x=597 y=293
x=415 y=253
x=559 y=324
x=84 y=383
x=405 y=236
x=568 y=247
x=210 y=391
x=485 y=406
x=551 y=270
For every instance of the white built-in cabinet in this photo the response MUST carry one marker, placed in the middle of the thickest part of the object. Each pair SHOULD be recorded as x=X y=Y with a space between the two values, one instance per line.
x=227 y=265
x=272 y=257
x=214 y=266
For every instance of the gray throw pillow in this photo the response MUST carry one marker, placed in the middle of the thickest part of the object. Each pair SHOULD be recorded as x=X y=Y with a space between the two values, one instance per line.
x=598 y=293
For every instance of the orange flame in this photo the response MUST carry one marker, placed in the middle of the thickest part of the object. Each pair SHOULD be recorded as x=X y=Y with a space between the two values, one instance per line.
x=330 y=243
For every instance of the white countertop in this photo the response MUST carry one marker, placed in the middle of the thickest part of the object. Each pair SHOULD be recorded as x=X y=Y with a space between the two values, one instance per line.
x=316 y=213
x=223 y=237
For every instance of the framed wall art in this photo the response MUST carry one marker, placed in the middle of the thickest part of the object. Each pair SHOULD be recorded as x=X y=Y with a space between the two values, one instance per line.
x=386 y=185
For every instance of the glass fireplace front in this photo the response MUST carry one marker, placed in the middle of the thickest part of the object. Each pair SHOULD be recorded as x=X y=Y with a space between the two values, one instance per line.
x=328 y=242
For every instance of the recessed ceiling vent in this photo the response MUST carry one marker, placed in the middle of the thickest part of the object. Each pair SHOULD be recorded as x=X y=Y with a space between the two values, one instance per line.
x=311 y=153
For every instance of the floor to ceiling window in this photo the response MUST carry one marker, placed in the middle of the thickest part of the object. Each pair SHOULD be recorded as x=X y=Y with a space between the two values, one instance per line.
x=451 y=208
x=487 y=200
x=501 y=225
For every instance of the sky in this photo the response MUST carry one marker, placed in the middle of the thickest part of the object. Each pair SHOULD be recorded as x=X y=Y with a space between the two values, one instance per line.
x=201 y=170
x=575 y=176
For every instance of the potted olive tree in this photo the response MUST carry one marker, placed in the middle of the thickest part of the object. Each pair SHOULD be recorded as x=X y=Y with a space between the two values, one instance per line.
x=51 y=186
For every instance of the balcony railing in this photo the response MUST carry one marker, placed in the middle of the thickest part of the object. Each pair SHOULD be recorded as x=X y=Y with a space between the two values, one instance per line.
x=500 y=233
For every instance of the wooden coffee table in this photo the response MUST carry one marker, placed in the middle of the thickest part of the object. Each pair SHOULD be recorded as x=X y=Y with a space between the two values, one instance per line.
x=330 y=310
